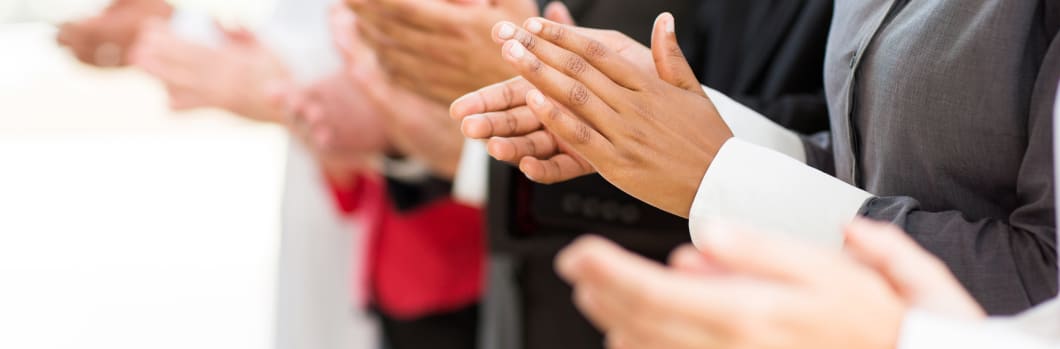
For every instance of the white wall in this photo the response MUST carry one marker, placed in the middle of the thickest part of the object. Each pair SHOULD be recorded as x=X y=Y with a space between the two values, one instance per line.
x=125 y=226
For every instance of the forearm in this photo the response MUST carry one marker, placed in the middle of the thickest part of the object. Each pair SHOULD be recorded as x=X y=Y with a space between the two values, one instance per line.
x=1007 y=265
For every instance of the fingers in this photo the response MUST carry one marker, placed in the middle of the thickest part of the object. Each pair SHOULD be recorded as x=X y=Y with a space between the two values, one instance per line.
x=744 y=252
x=566 y=62
x=917 y=275
x=604 y=264
x=596 y=53
x=581 y=138
x=512 y=122
x=624 y=292
x=427 y=15
x=690 y=260
x=558 y=12
x=560 y=168
x=670 y=61
x=537 y=144
x=494 y=98
x=571 y=93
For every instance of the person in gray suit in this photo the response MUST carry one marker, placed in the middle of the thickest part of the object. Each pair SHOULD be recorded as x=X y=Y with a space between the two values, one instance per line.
x=941 y=119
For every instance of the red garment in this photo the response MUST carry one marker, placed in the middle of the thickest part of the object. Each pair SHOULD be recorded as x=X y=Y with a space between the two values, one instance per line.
x=419 y=263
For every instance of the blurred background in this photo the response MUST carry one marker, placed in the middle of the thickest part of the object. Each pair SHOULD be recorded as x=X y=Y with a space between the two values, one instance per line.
x=123 y=225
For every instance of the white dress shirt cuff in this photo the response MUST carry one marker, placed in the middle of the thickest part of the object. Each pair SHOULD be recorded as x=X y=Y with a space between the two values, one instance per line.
x=751 y=126
x=752 y=186
x=922 y=330
x=471 y=185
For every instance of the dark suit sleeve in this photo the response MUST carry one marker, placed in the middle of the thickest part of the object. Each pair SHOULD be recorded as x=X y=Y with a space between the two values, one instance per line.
x=819 y=152
x=1008 y=264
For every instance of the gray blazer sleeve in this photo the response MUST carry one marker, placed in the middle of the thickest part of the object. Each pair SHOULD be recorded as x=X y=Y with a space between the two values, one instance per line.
x=1009 y=264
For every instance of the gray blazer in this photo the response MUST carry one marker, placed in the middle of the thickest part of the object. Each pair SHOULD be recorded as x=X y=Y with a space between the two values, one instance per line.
x=943 y=109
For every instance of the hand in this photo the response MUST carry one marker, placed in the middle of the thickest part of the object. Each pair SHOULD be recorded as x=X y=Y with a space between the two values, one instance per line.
x=438 y=48
x=104 y=40
x=628 y=124
x=235 y=77
x=499 y=113
x=413 y=125
x=921 y=279
x=743 y=291
x=335 y=120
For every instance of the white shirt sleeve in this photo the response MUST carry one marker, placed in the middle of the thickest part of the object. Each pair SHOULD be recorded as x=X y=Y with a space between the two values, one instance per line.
x=471 y=185
x=922 y=330
x=759 y=180
x=751 y=126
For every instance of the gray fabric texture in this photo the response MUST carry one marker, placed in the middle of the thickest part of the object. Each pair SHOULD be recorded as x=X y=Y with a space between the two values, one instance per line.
x=943 y=110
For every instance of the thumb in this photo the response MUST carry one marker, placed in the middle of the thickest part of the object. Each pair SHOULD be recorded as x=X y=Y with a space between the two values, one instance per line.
x=670 y=61
x=558 y=12
x=920 y=278
x=741 y=251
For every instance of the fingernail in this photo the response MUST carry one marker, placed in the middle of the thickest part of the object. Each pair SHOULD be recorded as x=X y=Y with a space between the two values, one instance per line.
x=534 y=26
x=523 y=168
x=507 y=31
x=516 y=50
x=670 y=23
x=537 y=98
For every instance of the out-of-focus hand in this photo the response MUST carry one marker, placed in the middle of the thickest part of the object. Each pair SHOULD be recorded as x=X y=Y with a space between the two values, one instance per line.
x=920 y=278
x=499 y=114
x=414 y=126
x=627 y=123
x=742 y=291
x=335 y=120
x=236 y=76
x=104 y=40
x=439 y=48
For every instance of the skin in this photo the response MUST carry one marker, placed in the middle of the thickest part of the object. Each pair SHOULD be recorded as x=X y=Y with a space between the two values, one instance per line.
x=435 y=48
x=499 y=115
x=414 y=126
x=197 y=76
x=336 y=121
x=626 y=123
x=790 y=293
x=104 y=40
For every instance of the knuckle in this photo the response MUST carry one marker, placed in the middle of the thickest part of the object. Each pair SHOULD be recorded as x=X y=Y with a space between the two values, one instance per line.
x=582 y=134
x=528 y=41
x=556 y=32
x=637 y=135
x=576 y=65
x=595 y=49
x=508 y=95
x=535 y=65
x=675 y=52
x=644 y=109
x=512 y=122
x=579 y=95
x=531 y=147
